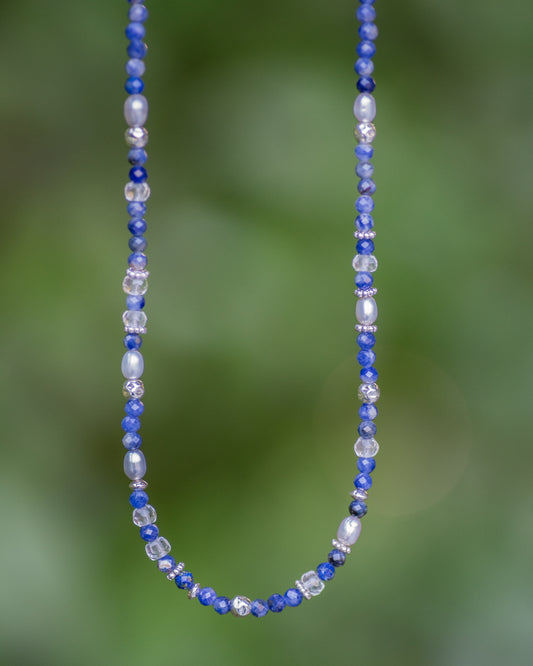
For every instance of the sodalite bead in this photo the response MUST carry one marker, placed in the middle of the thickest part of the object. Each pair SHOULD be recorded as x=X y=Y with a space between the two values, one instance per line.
x=363 y=204
x=364 y=152
x=166 y=563
x=325 y=571
x=134 y=85
x=366 y=340
x=134 y=465
x=184 y=580
x=137 y=261
x=364 y=222
x=138 y=13
x=368 y=412
x=349 y=531
x=207 y=596
x=138 y=174
x=259 y=608
x=366 y=465
x=137 y=244
x=363 y=481
x=134 y=407
x=366 y=84
x=149 y=532
x=368 y=375
x=137 y=49
x=363 y=280
x=138 y=499
x=137 y=191
x=137 y=226
x=132 y=364
x=366 y=186
x=293 y=597
x=364 y=66
x=368 y=31
x=364 y=170
x=132 y=440
x=135 y=30
x=136 y=67
x=157 y=549
x=130 y=424
x=366 y=311
x=366 y=13
x=132 y=341
x=136 y=209
x=222 y=605
x=135 y=302
x=135 y=286
x=366 y=358
x=366 y=49
x=366 y=447
x=358 y=508
x=137 y=156
x=365 y=262
x=144 y=516
x=276 y=603
x=337 y=558
x=365 y=246
x=367 y=429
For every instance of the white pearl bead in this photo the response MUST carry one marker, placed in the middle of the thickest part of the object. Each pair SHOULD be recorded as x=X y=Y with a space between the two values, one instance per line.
x=349 y=531
x=132 y=365
x=366 y=311
x=364 y=108
x=136 y=110
x=134 y=465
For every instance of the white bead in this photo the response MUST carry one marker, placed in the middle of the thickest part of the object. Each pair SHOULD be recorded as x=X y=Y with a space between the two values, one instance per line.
x=364 y=108
x=158 y=548
x=365 y=262
x=312 y=583
x=349 y=531
x=136 y=110
x=368 y=393
x=366 y=448
x=365 y=132
x=132 y=364
x=136 y=137
x=366 y=311
x=137 y=191
x=145 y=516
x=134 y=465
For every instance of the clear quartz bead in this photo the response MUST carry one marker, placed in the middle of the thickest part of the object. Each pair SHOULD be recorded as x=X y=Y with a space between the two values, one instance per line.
x=364 y=108
x=366 y=311
x=158 y=548
x=349 y=531
x=365 y=132
x=136 y=137
x=137 y=191
x=241 y=606
x=366 y=448
x=133 y=388
x=312 y=583
x=135 y=286
x=134 y=320
x=368 y=393
x=145 y=516
x=365 y=262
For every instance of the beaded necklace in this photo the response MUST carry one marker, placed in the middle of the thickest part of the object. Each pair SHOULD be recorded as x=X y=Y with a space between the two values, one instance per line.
x=135 y=285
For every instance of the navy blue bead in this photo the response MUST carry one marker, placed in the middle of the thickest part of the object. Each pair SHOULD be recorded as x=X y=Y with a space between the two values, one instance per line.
x=184 y=580
x=366 y=340
x=358 y=509
x=138 y=12
x=366 y=13
x=166 y=563
x=149 y=532
x=366 y=84
x=337 y=558
x=363 y=481
x=133 y=341
x=135 y=67
x=132 y=441
x=363 y=280
x=137 y=156
x=134 y=85
x=207 y=596
x=222 y=605
x=367 y=429
x=137 y=243
x=368 y=31
x=366 y=186
x=366 y=358
x=364 y=66
x=130 y=424
x=136 y=209
x=259 y=608
x=276 y=603
x=135 y=30
x=135 y=302
x=138 y=499
x=364 y=169
x=365 y=246
x=364 y=222
x=138 y=174
x=137 y=226
x=364 y=204
x=366 y=49
x=368 y=412
x=364 y=152
x=137 y=49
x=366 y=465
x=137 y=260
x=368 y=375
x=325 y=571
x=134 y=407
x=293 y=597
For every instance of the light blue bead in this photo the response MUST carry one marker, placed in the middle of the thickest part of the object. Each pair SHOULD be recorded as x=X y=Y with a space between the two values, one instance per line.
x=366 y=186
x=137 y=156
x=368 y=31
x=135 y=67
x=135 y=302
x=364 y=169
x=369 y=375
x=222 y=605
x=135 y=465
x=365 y=358
x=364 y=66
x=325 y=571
x=207 y=596
x=364 y=152
x=138 y=12
x=135 y=30
x=166 y=563
x=132 y=441
x=366 y=465
x=366 y=49
x=367 y=429
x=366 y=13
x=364 y=222
x=364 y=204
x=363 y=481
x=276 y=603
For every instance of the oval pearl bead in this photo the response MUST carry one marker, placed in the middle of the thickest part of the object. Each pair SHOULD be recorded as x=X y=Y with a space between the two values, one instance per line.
x=366 y=311
x=134 y=465
x=364 y=108
x=136 y=110
x=349 y=531
x=132 y=365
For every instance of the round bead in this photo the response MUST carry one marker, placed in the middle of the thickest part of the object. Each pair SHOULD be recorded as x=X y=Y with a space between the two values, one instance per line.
x=134 y=407
x=368 y=375
x=337 y=558
x=207 y=596
x=137 y=261
x=184 y=580
x=132 y=341
x=138 y=12
x=365 y=132
x=366 y=49
x=293 y=597
x=358 y=508
x=137 y=244
x=349 y=531
x=368 y=31
x=367 y=429
x=134 y=85
x=166 y=564
x=138 y=174
x=133 y=388
x=363 y=481
x=366 y=84
x=136 y=209
x=137 y=226
x=368 y=412
x=137 y=156
x=145 y=516
x=149 y=532
x=366 y=311
x=137 y=49
x=363 y=204
x=366 y=340
x=365 y=246
x=132 y=440
x=135 y=302
x=366 y=186
x=366 y=358
x=134 y=465
x=137 y=191
x=138 y=499
x=365 y=262
x=364 y=222
x=364 y=152
x=364 y=66
x=136 y=67
x=259 y=608
x=364 y=170
x=276 y=603
x=366 y=447
x=366 y=13
x=135 y=30
x=222 y=605
x=130 y=424
x=368 y=393
x=325 y=571
x=136 y=137
x=241 y=606
x=132 y=364
x=363 y=280
x=366 y=465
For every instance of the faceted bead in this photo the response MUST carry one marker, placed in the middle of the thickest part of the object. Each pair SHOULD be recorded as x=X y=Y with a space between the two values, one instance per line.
x=366 y=49
x=366 y=84
x=166 y=564
x=365 y=246
x=366 y=13
x=363 y=280
x=130 y=424
x=366 y=358
x=367 y=429
x=157 y=549
x=366 y=447
x=132 y=341
x=138 y=13
x=137 y=226
x=138 y=174
x=133 y=388
x=325 y=571
x=259 y=608
x=137 y=191
x=366 y=340
x=366 y=465
x=136 y=137
x=368 y=31
x=368 y=375
x=366 y=311
x=365 y=132
x=364 y=66
x=132 y=364
x=364 y=169
x=135 y=286
x=241 y=606
x=293 y=597
x=136 y=67
x=365 y=262
x=138 y=499
x=144 y=516
x=207 y=596
x=136 y=209
x=184 y=580
x=358 y=508
x=364 y=204
x=222 y=605
x=364 y=222
x=149 y=532
x=135 y=302
x=368 y=412
x=366 y=186
x=276 y=603
x=134 y=407
x=137 y=244
x=132 y=441
x=137 y=49
x=363 y=481
x=349 y=531
x=364 y=152
x=135 y=30
x=337 y=558
x=364 y=108
x=368 y=393
x=312 y=583
x=134 y=85
x=137 y=156
x=137 y=261
x=134 y=465
x=134 y=320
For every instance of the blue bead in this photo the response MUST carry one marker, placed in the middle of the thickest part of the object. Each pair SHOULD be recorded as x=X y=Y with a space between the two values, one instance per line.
x=366 y=84
x=138 y=12
x=364 y=152
x=293 y=597
x=130 y=424
x=259 y=608
x=366 y=465
x=138 y=174
x=134 y=407
x=364 y=169
x=363 y=481
x=135 y=30
x=364 y=66
x=137 y=260
x=137 y=156
x=325 y=571
x=363 y=2
x=137 y=226
x=138 y=499
x=207 y=596
x=135 y=302
x=368 y=412
x=134 y=85
x=337 y=558
x=368 y=31
x=366 y=186
x=166 y=563
x=363 y=280
x=366 y=358
x=137 y=243
x=184 y=580
x=367 y=429
x=149 y=532
x=136 y=209
x=366 y=49
x=368 y=375
x=135 y=67
x=366 y=13
x=358 y=509
x=222 y=605
x=137 y=49
x=132 y=441
x=365 y=246
x=364 y=222
x=366 y=340
x=276 y=603
x=364 y=204
x=133 y=341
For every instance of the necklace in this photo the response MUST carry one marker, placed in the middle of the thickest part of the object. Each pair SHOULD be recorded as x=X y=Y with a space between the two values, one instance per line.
x=135 y=285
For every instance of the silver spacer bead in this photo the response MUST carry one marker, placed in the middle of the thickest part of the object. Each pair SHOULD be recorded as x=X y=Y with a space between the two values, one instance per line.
x=363 y=328
x=365 y=293
x=340 y=546
x=176 y=571
x=194 y=591
x=139 y=485
x=302 y=589
x=141 y=275
x=136 y=331
x=359 y=494
x=365 y=235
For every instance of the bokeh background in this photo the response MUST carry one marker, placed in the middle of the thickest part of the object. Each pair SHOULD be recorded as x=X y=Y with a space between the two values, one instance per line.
x=251 y=374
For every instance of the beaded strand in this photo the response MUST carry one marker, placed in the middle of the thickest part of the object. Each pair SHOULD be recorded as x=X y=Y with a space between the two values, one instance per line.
x=135 y=285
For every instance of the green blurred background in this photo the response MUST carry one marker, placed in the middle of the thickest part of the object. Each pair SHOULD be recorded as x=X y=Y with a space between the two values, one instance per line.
x=251 y=374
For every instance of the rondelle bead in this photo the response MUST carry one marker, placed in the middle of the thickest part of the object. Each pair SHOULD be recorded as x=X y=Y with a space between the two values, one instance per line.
x=137 y=191
x=241 y=606
x=325 y=571
x=132 y=440
x=349 y=531
x=207 y=596
x=184 y=580
x=136 y=137
x=368 y=412
x=312 y=583
x=138 y=499
x=132 y=364
x=365 y=132
x=365 y=262
x=133 y=388
x=134 y=465
x=368 y=393
x=366 y=447
x=259 y=608
x=222 y=605
x=144 y=516
x=366 y=311
x=363 y=481
x=166 y=564
x=366 y=84
x=293 y=597
x=358 y=509
x=337 y=558
x=366 y=465
x=366 y=49
x=157 y=549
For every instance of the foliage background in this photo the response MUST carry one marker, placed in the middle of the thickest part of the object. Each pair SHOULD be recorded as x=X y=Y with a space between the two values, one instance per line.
x=251 y=408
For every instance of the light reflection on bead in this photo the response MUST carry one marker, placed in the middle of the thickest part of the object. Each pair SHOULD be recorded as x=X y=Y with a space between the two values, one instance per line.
x=241 y=606
x=158 y=548
x=365 y=262
x=132 y=364
x=134 y=465
x=349 y=530
x=133 y=388
x=136 y=110
x=135 y=286
x=364 y=108
x=144 y=516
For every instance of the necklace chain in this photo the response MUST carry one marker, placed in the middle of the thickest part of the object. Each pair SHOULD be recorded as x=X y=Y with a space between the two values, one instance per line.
x=135 y=285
